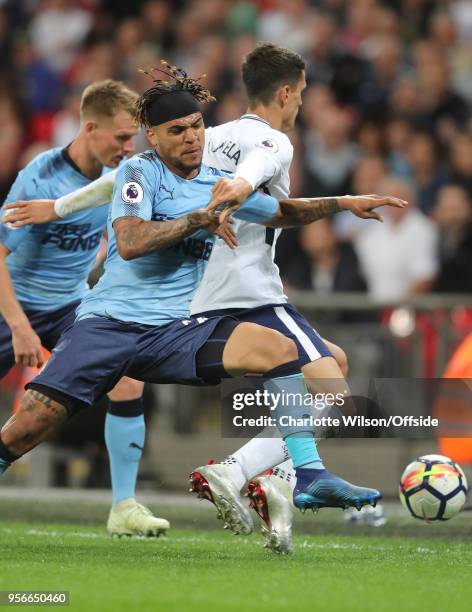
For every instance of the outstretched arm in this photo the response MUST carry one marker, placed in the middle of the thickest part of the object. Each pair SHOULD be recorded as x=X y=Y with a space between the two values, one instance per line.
x=93 y=195
x=302 y=211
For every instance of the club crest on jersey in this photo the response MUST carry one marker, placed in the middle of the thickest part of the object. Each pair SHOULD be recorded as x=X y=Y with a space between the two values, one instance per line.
x=269 y=144
x=132 y=193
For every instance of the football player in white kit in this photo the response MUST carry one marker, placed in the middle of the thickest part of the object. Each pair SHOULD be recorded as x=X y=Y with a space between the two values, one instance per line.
x=246 y=282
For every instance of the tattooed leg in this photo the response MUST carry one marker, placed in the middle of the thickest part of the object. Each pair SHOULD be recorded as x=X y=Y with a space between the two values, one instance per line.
x=36 y=419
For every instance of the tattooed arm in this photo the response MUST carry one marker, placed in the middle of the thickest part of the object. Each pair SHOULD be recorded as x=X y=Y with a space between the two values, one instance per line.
x=136 y=237
x=302 y=211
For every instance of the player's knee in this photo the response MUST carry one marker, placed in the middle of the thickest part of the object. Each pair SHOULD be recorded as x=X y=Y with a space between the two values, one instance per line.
x=281 y=350
x=342 y=361
x=19 y=433
x=289 y=349
x=340 y=356
x=254 y=348
x=126 y=389
x=37 y=418
x=7 y=436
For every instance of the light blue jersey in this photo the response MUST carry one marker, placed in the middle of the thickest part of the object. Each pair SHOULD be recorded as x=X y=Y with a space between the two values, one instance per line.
x=157 y=288
x=49 y=264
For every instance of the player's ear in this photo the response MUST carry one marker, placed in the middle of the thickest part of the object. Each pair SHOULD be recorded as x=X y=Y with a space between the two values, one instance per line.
x=283 y=94
x=90 y=126
x=151 y=136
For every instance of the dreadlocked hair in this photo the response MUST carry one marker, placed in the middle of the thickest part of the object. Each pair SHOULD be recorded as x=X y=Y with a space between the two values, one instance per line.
x=180 y=81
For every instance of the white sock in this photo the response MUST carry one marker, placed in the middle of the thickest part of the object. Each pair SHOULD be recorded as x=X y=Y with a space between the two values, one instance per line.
x=259 y=455
x=237 y=474
x=286 y=472
x=286 y=466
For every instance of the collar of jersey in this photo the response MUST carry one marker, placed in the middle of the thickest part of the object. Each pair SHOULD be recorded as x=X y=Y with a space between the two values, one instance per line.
x=255 y=118
x=68 y=159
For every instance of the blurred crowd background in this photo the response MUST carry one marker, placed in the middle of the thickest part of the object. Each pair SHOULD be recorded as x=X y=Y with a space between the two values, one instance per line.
x=387 y=109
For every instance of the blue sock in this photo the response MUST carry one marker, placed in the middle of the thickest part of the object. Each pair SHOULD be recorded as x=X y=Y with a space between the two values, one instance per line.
x=303 y=451
x=124 y=436
x=300 y=440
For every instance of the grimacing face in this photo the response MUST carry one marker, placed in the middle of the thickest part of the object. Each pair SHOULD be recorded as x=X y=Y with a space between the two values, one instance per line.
x=179 y=143
x=293 y=103
x=111 y=138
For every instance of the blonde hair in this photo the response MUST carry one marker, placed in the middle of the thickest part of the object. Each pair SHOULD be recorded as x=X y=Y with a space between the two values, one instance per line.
x=106 y=98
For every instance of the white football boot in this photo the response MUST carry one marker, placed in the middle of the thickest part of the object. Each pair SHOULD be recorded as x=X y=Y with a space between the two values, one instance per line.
x=271 y=497
x=214 y=483
x=133 y=519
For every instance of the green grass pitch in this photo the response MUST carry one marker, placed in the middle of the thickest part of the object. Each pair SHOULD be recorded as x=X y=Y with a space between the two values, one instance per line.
x=404 y=566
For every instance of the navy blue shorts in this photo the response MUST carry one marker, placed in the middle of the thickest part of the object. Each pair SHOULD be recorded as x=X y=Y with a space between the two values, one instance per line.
x=286 y=319
x=48 y=324
x=96 y=352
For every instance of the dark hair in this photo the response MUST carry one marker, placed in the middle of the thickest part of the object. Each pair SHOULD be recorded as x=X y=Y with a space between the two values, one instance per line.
x=269 y=67
x=180 y=81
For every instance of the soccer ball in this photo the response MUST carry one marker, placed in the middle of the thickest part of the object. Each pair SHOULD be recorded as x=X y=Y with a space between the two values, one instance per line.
x=433 y=488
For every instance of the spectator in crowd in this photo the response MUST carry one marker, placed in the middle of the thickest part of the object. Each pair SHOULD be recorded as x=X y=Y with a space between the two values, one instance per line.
x=461 y=161
x=11 y=136
x=384 y=70
x=439 y=106
x=444 y=32
x=326 y=264
x=389 y=90
x=330 y=155
x=287 y=23
x=461 y=12
x=397 y=136
x=399 y=256
x=366 y=178
x=5 y=35
x=428 y=173
x=40 y=85
x=156 y=16
x=403 y=102
x=57 y=30
x=453 y=214
x=370 y=138
x=66 y=122
x=323 y=50
x=318 y=99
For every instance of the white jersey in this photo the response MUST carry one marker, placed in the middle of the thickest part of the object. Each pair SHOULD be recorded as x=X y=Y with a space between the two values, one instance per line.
x=247 y=276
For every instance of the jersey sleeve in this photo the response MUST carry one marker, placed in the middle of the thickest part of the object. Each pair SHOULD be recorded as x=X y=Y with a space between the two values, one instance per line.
x=269 y=155
x=95 y=194
x=258 y=208
x=25 y=187
x=134 y=190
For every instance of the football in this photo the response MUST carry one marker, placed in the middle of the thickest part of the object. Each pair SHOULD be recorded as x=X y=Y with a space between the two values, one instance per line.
x=433 y=488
